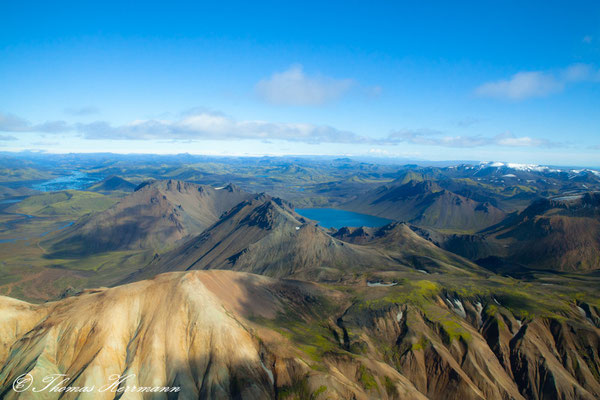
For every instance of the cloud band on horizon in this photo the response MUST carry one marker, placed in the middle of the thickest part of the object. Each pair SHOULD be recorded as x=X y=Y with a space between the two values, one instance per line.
x=206 y=125
x=529 y=84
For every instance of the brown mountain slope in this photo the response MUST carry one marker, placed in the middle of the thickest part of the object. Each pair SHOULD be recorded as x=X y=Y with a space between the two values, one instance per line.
x=155 y=216
x=113 y=183
x=400 y=242
x=265 y=236
x=225 y=334
x=193 y=331
x=453 y=347
x=561 y=234
x=425 y=203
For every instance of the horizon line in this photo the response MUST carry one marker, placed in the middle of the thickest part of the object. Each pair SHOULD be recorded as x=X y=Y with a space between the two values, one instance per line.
x=389 y=159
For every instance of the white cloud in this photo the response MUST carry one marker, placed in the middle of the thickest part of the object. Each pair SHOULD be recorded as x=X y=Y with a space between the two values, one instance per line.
x=294 y=87
x=581 y=73
x=510 y=140
x=200 y=124
x=467 y=122
x=436 y=138
x=382 y=152
x=12 y=123
x=530 y=84
x=204 y=125
x=520 y=86
x=81 y=111
x=374 y=91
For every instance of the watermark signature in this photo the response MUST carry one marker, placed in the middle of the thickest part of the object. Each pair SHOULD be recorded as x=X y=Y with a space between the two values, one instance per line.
x=60 y=383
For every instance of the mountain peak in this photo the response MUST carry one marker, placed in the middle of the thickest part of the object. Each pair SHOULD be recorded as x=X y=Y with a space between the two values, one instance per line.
x=157 y=215
x=113 y=183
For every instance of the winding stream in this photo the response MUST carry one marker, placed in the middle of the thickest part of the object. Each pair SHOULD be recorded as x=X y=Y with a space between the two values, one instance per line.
x=9 y=226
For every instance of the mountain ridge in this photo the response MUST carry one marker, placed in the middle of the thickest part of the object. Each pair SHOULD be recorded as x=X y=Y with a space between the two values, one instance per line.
x=426 y=203
x=154 y=216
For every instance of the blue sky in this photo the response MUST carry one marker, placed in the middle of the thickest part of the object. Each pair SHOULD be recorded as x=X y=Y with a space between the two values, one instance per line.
x=422 y=80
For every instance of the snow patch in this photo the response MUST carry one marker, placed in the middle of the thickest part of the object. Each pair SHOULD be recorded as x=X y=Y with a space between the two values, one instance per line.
x=268 y=371
x=479 y=307
x=399 y=316
x=459 y=308
x=519 y=167
x=375 y=284
x=423 y=271
x=568 y=198
x=584 y=314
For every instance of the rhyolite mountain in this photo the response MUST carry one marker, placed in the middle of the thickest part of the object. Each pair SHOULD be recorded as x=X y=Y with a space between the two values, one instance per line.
x=426 y=203
x=400 y=242
x=157 y=215
x=264 y=235
x=560 y=234
x=225 y=334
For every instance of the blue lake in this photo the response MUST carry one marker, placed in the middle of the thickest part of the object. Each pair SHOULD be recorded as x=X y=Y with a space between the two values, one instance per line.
x=76 y=180
x=334 y=218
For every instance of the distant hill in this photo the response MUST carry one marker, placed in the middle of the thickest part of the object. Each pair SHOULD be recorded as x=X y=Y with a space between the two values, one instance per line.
x=16 y=192
x=68 y=203
x=113 y=183
x=155 y=216
x=15 y=173
x=406 y=247
x=426 y=203
x=561 y=234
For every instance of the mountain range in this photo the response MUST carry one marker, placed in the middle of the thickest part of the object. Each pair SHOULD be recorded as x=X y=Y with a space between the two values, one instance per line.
x=157 y=215
x=427 y=204
x=483 y=286
x=559 y=234
x=265 y=235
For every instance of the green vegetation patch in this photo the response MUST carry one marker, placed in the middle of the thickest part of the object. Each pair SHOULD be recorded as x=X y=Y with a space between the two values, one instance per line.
x=421 y=344
x=367 y=380
x=67 y=202
x=300 y=390
x=390 y=387
x=22 y=174
x=418 y=293
x=310 y=333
